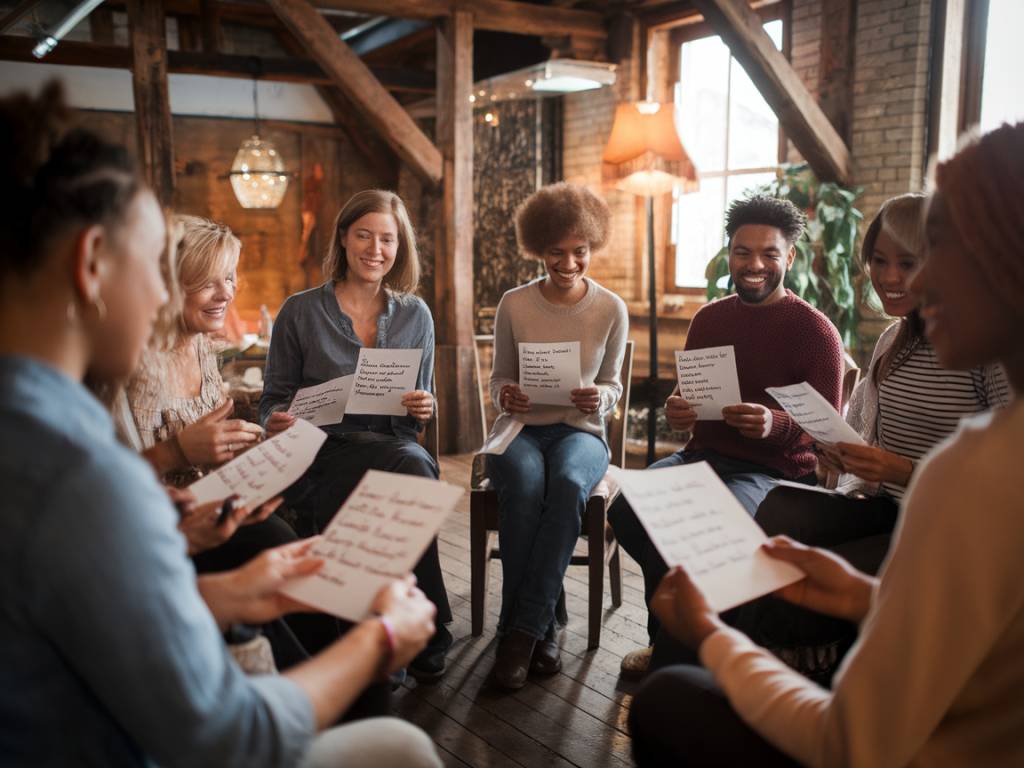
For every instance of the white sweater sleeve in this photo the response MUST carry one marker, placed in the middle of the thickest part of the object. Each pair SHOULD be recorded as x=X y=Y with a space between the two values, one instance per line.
x=505 y=364
x=948 y=591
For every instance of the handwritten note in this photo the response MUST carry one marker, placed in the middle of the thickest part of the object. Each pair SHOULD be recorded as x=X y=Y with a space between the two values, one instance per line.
x=322 y=404
x=815 y=415
x=549 y=372
x=382 y=377
x=708 y=380
x=378 y=535
x=695 y=521
x=262 y=472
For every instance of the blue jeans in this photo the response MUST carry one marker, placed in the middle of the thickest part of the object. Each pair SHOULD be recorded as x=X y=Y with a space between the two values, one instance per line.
x=749 y=483
x=543 y=481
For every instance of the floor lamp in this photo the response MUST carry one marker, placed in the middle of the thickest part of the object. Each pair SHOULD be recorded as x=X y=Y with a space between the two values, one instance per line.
x=644 y=156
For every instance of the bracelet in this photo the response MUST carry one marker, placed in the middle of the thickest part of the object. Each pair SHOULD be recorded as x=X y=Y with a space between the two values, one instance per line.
x=389 y=631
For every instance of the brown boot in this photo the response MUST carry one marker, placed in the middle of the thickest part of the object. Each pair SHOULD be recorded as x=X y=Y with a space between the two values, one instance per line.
x=547 y=657
x=513 y=660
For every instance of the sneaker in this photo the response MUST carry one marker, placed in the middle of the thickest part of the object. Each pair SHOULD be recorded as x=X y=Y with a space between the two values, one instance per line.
x=636 y=663
x=431 y=664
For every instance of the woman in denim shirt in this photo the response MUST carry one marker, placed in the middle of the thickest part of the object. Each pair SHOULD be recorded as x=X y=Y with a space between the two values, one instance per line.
x=372 y=269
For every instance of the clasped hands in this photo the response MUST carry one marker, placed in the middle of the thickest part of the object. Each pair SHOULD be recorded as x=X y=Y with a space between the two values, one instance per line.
x=830 y=586
x=514 y=400
x=751 y=420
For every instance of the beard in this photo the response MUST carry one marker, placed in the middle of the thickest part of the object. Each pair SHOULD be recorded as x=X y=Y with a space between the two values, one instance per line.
x=751 y=295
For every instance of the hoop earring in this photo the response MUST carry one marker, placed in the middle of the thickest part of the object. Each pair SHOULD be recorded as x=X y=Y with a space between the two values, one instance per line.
x=100 y=306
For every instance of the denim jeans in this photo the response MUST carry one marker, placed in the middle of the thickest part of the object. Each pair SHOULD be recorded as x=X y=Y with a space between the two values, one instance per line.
x=749 y=483
x=543 y=481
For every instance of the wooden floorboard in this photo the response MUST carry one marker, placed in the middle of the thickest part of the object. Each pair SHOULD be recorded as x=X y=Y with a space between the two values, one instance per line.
x=575 y=718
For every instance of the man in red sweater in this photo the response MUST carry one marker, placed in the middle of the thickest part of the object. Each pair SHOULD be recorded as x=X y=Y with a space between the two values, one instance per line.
x=779 y=339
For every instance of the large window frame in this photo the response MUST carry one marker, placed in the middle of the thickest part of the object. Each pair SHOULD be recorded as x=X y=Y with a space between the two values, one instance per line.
x=690 y=32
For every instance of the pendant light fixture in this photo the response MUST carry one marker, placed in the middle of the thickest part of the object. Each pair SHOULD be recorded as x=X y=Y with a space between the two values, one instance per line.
x=257 y=175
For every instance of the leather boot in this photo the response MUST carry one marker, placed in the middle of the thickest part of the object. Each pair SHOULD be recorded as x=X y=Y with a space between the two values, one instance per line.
x=513 y=660
x=547 y=658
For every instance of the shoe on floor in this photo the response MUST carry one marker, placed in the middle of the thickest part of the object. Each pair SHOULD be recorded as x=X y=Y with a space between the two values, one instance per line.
x=547 y=657
x=513 y=660
x=431 y=663
x=636 y=663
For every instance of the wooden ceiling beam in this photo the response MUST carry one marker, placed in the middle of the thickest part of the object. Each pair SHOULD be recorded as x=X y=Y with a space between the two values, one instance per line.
x=380 y=109
x=801 y=117
x=291 y=70
x=13 y=16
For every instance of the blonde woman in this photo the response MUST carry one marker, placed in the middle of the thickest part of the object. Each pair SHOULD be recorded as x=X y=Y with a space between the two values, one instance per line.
x=368 y=300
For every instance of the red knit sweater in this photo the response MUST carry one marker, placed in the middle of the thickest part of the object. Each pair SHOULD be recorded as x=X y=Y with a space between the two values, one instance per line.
x=777 y=344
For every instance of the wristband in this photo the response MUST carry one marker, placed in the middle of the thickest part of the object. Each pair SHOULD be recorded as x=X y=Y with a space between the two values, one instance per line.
x=389 y=632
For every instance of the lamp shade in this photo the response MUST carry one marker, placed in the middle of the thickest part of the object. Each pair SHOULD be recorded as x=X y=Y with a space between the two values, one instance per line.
x=257 y=174
x=644 y=154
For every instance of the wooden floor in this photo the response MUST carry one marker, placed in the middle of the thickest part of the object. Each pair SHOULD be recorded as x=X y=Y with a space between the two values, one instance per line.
x=575 y=718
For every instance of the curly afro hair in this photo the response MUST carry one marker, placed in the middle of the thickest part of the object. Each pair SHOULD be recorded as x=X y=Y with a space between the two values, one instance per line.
x=558 y=211
x=769 y=211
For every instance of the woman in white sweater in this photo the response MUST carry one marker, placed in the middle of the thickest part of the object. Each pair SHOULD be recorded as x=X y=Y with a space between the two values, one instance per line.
x=557 y=453
x=934 y=678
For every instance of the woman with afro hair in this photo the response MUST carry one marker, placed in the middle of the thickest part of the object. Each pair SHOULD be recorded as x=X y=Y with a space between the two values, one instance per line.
x=558 y=453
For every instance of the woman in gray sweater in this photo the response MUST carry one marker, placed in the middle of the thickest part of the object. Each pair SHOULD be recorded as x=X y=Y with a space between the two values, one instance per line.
x=555 y=454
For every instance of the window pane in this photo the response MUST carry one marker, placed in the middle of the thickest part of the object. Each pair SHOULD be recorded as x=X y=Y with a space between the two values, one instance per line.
x=698 y=233
x=1002 y=97
x=745 y=184
x=700 y=101
x=753 y=127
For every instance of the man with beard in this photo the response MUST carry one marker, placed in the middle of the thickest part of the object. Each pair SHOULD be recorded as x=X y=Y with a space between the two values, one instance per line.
x=779 y=339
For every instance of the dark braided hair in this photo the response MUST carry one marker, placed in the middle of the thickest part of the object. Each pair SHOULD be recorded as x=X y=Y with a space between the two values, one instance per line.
x=53 y=178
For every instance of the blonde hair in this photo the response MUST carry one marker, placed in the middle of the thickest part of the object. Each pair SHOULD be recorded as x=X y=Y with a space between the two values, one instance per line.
x=404 y=276
x=206 y=250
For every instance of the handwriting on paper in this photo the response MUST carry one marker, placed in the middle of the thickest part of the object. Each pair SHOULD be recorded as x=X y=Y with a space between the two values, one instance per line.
x=549 y=372
x=815 y=415
x=382 y=377
x=322 y=404
x=265 y=470
x=377 y=536
x=708 y=380
x=694 y=521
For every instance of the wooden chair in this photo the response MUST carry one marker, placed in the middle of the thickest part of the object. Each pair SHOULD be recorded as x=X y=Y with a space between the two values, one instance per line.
x=602 y=548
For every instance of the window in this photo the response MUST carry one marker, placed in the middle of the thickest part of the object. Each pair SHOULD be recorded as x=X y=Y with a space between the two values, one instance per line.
x=1002 y=98
x=731 y=134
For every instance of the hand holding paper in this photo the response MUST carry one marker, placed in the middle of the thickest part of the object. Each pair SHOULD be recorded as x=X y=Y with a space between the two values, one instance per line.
x=264 y=471
x=695 y=521
x=708 y=380
x=548 y=373
x=815 y=415
x=377 y=536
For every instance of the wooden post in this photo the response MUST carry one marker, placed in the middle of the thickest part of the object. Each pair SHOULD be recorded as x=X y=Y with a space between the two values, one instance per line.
x=453 y=268
x=209 y=20
x=152 y=101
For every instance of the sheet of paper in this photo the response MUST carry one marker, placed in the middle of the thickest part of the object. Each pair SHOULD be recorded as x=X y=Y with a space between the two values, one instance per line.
x=815 y=415
x=262 y=472
x=322 y=404
x=695 y=521
x=549 y=372
x=382 y=377
x=378 y=535
x=708 y=380
x=500 y=439
x=805 y=487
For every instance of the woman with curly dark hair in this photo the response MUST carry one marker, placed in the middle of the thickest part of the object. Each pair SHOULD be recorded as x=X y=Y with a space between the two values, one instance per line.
x=558 y=453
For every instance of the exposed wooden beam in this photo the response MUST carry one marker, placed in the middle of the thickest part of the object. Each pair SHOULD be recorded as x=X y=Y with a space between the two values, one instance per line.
x=295 y=70
x=453 y=255
x=152 y=101
x=101 y=26
x=209 y=20
x=800 y=115
x=835 y=68
x=497 y=15
x=14 y=15
x=357 y=82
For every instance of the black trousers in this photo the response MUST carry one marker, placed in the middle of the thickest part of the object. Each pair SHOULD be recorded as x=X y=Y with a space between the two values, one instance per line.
x=338 y=468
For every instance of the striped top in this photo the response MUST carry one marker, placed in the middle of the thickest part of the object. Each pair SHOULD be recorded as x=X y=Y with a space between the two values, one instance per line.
x=920 y=403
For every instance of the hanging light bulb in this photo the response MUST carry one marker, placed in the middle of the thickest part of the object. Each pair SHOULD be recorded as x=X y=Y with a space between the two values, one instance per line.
x=258 y=176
